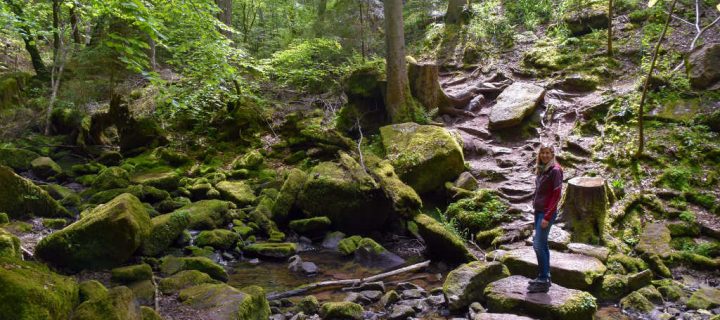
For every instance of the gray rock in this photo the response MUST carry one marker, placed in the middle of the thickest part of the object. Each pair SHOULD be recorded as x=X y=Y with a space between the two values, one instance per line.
x=357 y=298
x=514 y=104
x=655 y=240
x=466 y=181
x=704 y=66
x=558 y=239
x=586 y=20
x=467 y=283
x=475 y=309
x=436 y=300
x=369 y=257
x=401 y=312
x=378 y=285
x=568 y=269
x=332 y=240
x=372 y=295
x=499 y=316
x=599 y=252
x=389 y=298
x=420 y=305
x=413 y=294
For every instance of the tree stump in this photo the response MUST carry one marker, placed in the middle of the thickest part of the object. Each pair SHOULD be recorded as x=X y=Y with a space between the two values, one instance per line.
x=425 y=87
x=585 y=208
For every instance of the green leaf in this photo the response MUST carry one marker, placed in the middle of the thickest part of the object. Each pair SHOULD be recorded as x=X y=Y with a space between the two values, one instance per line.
x=651 y=3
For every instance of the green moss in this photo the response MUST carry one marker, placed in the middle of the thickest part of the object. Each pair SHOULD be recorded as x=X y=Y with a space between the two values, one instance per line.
x=17 y=158
x=348 y=245
x=54 y=223
x=424 y=156
x=341 y=310
x=20 y=198
x=45 y=167
x=164 y=179
x=148 y=313
x=106 y=237
x=704 y=298
x=440 y=242
x=404 y=198
x=308 y=305
x=30 y=291
x=487 y=238
x=251 y=160
x=613 y=287
x=219 y=239
x=119 y=304
x=288 y=195
x=90 y=168
x=236 y=191
x=90 y=290
x=131 y=273
x=627 y=263
x=184 y=279
x=313 y=225
x=271 y=250
x=220 y=301
x=171 y=265
x=467 y=283
x=207 y=214
x=485 y=210
x=66 y=196
x=255 y=306
x=111 y=178
x=4 y=218
x=9 y=245
x=670 y=290
x=164 y=230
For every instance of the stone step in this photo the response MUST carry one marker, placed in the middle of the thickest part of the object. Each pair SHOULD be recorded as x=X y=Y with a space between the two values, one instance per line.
x=499 y=316
x=510 y=295
x=572 y=270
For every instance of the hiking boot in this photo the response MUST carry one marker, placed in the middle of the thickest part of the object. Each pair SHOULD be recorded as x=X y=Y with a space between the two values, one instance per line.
x=538 y=280
x=539 y=287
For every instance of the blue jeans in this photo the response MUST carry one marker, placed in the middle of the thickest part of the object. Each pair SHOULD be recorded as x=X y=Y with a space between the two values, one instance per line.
x=540 y=244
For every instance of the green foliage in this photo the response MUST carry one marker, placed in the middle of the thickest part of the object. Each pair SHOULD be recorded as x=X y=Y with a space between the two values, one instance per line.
x=451 y=225
x=489 y=25
x=483 y=211
x=313 y=65
x=529 y=13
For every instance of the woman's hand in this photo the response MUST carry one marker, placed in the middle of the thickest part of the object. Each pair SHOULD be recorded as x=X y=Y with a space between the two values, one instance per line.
x=544 y=224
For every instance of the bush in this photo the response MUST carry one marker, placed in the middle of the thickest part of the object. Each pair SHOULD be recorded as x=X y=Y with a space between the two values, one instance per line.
x=314 y=65
x=483 y=211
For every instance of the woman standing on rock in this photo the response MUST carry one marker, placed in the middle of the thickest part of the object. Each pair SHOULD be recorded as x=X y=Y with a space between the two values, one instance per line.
x=548 y=187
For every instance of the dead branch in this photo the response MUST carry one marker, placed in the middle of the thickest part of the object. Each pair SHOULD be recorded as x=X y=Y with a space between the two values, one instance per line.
x=343 y=283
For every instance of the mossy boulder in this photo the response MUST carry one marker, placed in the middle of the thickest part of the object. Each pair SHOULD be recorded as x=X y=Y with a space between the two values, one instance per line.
x=442 y=243
x=348 y=245
x=586 y=20
x=30 y=291
x=308 y=305
x=568 y=269
x=371 y=254
x=272 y=250
x=207 y=214
x=45 y=167
x=671 y=290
x=310 y=226
x=90 y=290
x=223 y=302
x=144 y=291
x=4 y=218
x=347 y=195
x=236 y=191
x=148 y=313
x=171 y=265
x=184 y=279
x=250 y=160
x=514 y=104
x=118 y=304
x=285 y=200
x=704 y=298
x=106 y=237
x=635 y=301
x=621 y=263
x=9 y=245
x=655 y=240
x=424 y=156
x=162 y=179
x=341 y=310
x=131 y=274
x=220 y=239
x=510 y=295
x=65 y=196
x=615 y=286
x=20 y=198
x=703 y=66
x=405 y=200
x=164 y=230
x=484 y=210
x=144 y=193
x=467 y=283
x=17 y=158
x=111 y=178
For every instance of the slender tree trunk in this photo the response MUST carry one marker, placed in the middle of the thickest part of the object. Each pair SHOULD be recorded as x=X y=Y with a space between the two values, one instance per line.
x=362 y=30
x=641 y=133
x=398 y=100
x=320 y=20
x=225 y=15
x=153 y=60
x=74 y=20
x=56 y=25
x=454 y=11
x=29 y=41
x=610 y=25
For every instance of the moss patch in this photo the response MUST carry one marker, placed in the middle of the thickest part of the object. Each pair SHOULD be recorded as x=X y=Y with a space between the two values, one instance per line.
x=20 y=198
x=441 y=242
x=171 y=265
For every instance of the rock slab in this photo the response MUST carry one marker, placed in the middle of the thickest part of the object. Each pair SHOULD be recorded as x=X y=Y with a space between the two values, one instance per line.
x=704 y=66
x=567 y=269
x=514 y=104
x=510 y=295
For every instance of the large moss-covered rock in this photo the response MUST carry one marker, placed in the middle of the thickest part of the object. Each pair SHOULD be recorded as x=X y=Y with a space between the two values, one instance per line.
x=510 y=295
x=310 y=226
x=164 y=230
x=223 y=302
x=371 y=254
x=118 y=304
x=615 y=286
x=45 y=167
x=184 y=279
x=567 y=269
x=404 y=198
x=236 y=191
x=9 y=245
x=30 y=291
x=440 y=242
x=221 y=239
x=484 y=210
x=347 y=195
x=144 y=193
x=16 y=158
x=20 y=198
x=272 y=250
x=341 y=310
x=149 y=313
x=635 y=301
x=514 y=104
x=131 y=274
x=91 y=289
x=584 y=21
x=703 y=66
x=104 y=238
x=171 y=265
x=67 y=197
x=655 y=240
x=207 y=214
x=424 y=156
x=288 y=194
x=163 y=179
x=467 y=283
x=111 y=178
x=704 y=298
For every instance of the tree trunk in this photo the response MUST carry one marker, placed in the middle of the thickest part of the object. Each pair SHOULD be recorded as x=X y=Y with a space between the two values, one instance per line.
x=610 y=25
x=30 y=43
x=225 y=15
x=425 y=87
x=641 y=111
x=74 y=20
x=56 y=26
x=320 y=20
x=398 y=100
x=585 y=208
x=454 y=11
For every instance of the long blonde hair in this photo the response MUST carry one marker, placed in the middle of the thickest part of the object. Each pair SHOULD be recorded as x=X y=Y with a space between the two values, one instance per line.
x=539 y=166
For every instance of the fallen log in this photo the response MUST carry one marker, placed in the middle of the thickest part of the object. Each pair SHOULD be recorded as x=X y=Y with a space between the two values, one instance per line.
x=343 y=283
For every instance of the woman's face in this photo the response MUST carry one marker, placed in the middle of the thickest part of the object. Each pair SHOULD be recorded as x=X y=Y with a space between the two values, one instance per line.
x=545 y=155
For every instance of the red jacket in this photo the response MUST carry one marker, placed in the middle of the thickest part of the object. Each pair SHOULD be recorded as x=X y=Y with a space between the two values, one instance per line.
x=548 y=189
